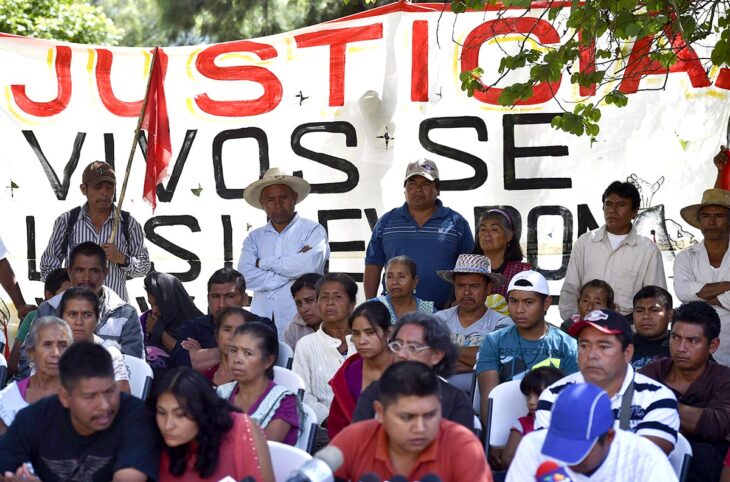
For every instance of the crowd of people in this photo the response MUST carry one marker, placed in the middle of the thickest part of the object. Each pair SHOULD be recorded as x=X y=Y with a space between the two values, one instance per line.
x=626 y=382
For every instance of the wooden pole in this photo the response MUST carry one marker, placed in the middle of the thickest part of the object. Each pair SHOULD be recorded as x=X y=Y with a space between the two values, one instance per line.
x=118 y=211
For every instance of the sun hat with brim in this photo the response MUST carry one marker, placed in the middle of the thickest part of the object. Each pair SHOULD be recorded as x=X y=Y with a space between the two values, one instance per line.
x=605 y=321
x=711 y=197
x=471 y=264
x=252 y=193
x=581 y=414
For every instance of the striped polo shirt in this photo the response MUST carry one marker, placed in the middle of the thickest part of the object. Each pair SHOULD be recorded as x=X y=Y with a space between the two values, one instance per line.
x=653 y=407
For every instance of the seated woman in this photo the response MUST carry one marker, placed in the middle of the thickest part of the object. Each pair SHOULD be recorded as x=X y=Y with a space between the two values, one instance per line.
x=496 y=239
x=206 y=439
x=319 y=355
x=422 y=337
x=400 y=282
x=47 y=339
x=227 y=322
x=252 y=354
x=170 y=307
x=79 y=307
x=370 y=325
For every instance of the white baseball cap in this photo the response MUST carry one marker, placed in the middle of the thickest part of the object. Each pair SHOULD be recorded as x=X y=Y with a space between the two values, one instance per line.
x=529 y=281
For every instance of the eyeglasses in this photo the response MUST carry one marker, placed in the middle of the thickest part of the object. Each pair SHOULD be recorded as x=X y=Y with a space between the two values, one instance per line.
x=410 y=348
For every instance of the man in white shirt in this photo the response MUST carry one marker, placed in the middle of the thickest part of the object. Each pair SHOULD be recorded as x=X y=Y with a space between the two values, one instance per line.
x=470 y=319
x=702 y=271
x=288 y=246
x=581 y=440
x=614 y=253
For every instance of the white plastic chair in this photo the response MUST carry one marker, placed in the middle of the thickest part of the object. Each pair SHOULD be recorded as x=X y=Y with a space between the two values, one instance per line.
x=140 y=376
x=290 y=380
x=286 y=459
x=506 y=404
x=309 y=429
x=286 y=356
x=680 y=456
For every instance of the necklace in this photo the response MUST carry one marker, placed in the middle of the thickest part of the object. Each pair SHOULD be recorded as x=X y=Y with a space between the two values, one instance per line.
x=538 y=350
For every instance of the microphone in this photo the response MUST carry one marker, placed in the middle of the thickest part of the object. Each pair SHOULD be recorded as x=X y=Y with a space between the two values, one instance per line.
x=431 y=478
x=369 y=477
x=549 y=471
x=321 y=468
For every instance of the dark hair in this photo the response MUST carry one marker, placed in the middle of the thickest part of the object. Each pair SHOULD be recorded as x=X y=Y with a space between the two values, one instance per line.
x=407 y=378
x=538 y=379
x=375 y=312
x=84 y=360
x=308 y=280
x=625 y=190
x=650 y=291
x=76 y=293
x=176 y=306
x=229 y=311
x=87 y=248
x=203 y=406
x=227 y=275
x=513 y=251
x=341 y=278
x=699 y=313
x=268 y=341
x=55 y=279
x=405 y=260
x=435 y=335
x=601 y=285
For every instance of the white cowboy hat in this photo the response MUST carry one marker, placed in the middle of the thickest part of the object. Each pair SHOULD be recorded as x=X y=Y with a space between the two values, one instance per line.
x=471 y=264
x=252 y=193
x=711 y=197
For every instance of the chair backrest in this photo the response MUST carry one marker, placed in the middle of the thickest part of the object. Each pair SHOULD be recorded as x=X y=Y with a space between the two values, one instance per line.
x=680 y=456
x=286 y=356
x=507 y=404
x=309 y=429
x=286 y=459
x=140 y=376
x=289 y=379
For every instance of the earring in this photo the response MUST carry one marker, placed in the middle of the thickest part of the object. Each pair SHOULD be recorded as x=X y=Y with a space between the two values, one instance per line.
x=414 y=291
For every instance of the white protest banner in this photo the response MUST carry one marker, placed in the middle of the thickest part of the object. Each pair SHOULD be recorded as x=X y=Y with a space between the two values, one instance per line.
x=346 y=105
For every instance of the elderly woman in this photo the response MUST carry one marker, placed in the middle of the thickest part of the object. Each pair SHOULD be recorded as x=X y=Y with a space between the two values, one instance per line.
x=495 y=239
x=251 y=357
x=423 y=338
x=206 y=439
x=400 y=282
x=370 y=326
x=319 y=355
x=47 y=339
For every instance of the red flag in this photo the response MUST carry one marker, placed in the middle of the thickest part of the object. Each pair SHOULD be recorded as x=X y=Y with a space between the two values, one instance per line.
x=156 y=123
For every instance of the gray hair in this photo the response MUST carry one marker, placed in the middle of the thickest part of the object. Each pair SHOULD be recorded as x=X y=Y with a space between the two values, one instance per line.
x=40 y=323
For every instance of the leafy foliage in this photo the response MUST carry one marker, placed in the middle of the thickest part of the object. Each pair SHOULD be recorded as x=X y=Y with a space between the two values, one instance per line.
x=70 y=20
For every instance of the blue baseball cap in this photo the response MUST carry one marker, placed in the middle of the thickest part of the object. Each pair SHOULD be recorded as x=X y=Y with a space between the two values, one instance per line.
x=581 y=414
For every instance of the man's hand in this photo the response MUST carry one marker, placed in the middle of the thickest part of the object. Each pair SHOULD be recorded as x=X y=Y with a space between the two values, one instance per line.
x=191 y=344
x=721 y=158
x=23 y=310
x=305 y=248
x=24 y=474
x=113 y=254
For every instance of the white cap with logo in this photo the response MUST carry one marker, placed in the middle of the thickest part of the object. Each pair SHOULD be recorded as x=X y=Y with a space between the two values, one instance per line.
x=529 y=281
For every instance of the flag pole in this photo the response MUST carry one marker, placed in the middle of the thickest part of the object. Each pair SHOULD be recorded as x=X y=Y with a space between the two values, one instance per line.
x=118 y=210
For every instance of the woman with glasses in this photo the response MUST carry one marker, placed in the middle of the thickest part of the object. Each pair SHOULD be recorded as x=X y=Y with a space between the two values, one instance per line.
x=421 y=337
x=370 y=326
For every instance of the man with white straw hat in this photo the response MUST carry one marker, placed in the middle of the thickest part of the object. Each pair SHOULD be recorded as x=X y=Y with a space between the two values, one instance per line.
x=702 y=271
x=288 y=246
x=470 y=319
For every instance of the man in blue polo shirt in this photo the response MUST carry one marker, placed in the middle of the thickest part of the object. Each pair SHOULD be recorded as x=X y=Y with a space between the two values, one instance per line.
x=422 y=229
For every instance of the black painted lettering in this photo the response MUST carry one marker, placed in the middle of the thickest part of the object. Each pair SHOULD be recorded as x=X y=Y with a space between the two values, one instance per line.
x=567 y=242
x=150 y=231
x=353 y=175
x=324 y=216
x=243 y=133
x=586 y=221
x=33 y=273
x=60 y=189
x=227 y=241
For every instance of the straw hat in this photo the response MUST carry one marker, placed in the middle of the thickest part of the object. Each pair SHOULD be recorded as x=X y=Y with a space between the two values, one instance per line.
x=711 y=197
x=471 y=264
x=252 y=193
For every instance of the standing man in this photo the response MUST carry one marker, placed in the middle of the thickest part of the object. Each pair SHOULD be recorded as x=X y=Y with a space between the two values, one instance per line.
x=470 y=320
x=93 y=221
x=422 y=229
x=532 y=342
x=639 y=404
x=702 y=271
x=614 y=253
x=702 y=387
x=288 y=246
